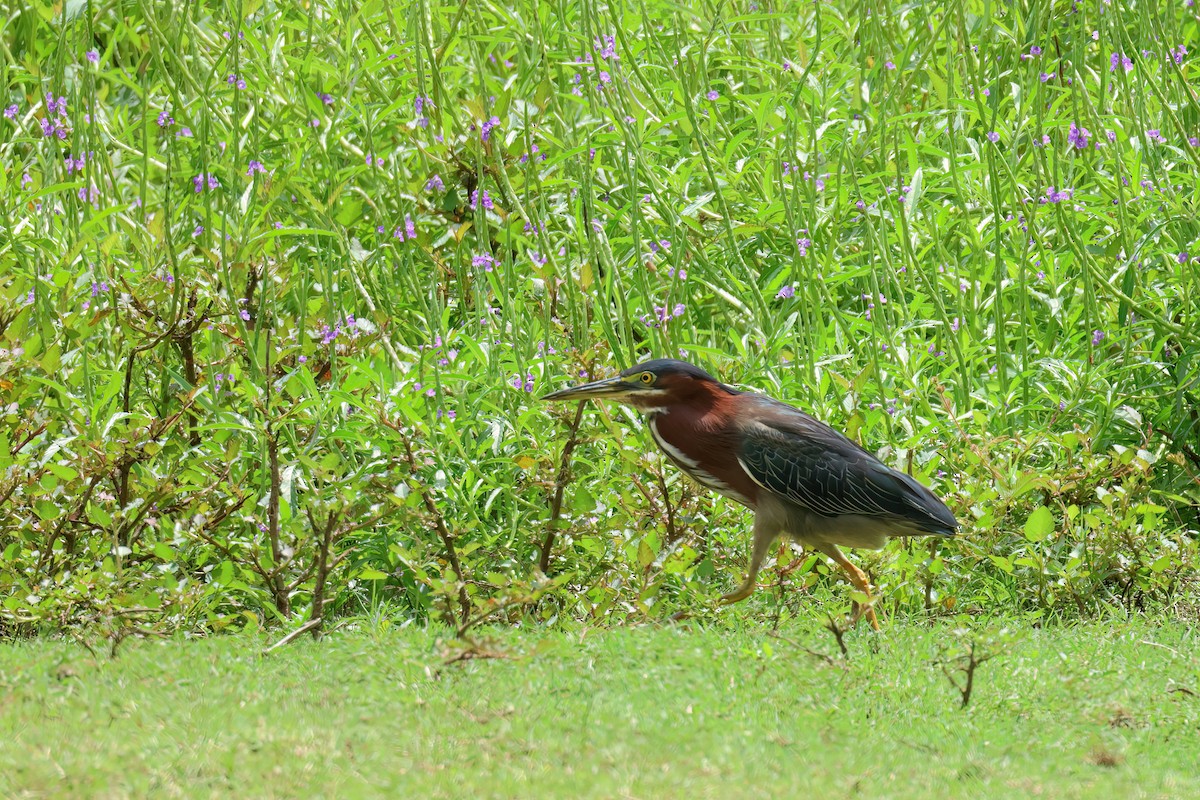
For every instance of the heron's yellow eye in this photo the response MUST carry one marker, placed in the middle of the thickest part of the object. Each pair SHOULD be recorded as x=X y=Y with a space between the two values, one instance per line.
x=646 y=378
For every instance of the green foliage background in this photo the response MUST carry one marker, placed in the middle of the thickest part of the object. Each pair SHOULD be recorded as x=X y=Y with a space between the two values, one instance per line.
x=236 y=389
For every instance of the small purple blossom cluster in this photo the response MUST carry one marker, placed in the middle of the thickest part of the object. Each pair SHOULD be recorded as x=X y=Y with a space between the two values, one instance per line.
x=535 y=153
x=1078 y=136
x=1057 y=196
x=234 y=80
x=605 y=49
x=489 y=125
x=891 y=404
x=525 y=384
x=663 y=315
x=203 y=179
x=484 y=260
x=786 y=293
x=1178 y=54
x=223 y=380
x=75 y=164
x=486 y=199
x=165 y=120
x=409 y=231
x=329 y=334
x=255 y=166
x=435 y=184
x=871 y=303
x=1119 y=59
x=59 y=126
x=803 y=244
x=420 y=104
x=443 y=356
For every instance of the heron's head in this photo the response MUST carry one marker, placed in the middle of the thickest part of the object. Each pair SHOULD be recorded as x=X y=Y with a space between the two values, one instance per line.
x=652 y=385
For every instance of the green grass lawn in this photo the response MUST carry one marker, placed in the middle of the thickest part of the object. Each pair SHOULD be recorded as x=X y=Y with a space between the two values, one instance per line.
x=1094 y=710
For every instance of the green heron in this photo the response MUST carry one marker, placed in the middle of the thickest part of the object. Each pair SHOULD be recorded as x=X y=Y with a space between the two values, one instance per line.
x=797 y=474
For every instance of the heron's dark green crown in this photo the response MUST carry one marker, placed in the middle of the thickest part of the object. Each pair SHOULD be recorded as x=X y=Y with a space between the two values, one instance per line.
x=662 y=367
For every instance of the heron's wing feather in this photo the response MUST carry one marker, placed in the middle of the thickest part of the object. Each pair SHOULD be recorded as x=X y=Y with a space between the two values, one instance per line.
x=799 y=458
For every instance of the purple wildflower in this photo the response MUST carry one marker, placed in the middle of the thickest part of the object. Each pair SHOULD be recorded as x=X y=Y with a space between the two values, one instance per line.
x=993 y=137
x=410 y=227
x=607 y=48
x=486 y=199
x=327 y=99
x=92 y=56
x=713 y=94
x=1097 y=337
x=488 y=125
x=785 y=293
x=11 y=111
x=255 y=166
x=1182 y=257
x=1035 y=51
x=484 y=260
x=434 y=184
x=1053 y=196
x=1155 y=135
x=1078 y=136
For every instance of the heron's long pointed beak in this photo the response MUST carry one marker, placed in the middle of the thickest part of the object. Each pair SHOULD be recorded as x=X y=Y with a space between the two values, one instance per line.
x=609 y=387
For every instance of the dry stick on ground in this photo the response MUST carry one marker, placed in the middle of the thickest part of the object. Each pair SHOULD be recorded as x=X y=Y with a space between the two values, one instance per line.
x=828 y=659
x=972 y=661
x=839 y=633
x=560 y=486
x=439 y=522
x=294 y=635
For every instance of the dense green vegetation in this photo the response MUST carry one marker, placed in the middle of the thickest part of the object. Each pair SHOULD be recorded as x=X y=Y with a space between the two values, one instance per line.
x=1095 y=711
x=280 y=285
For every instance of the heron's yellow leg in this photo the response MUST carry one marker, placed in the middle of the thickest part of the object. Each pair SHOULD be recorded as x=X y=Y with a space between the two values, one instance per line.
x=859 y=579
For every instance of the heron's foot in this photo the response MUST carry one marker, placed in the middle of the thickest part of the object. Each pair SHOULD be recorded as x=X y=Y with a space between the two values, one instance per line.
x=741 y=593
x=860 y=610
